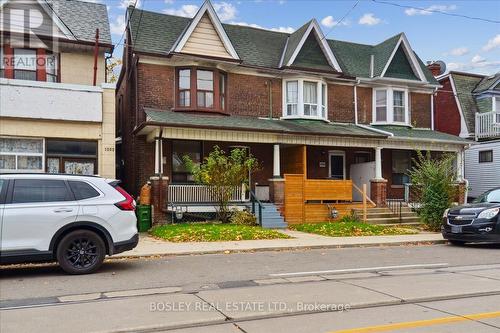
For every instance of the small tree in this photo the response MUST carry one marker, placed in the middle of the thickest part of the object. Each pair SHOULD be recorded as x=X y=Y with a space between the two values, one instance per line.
x=433 y=181
x=222 y=173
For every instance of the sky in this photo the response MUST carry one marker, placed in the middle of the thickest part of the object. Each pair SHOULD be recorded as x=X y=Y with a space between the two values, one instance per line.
x=464 y=44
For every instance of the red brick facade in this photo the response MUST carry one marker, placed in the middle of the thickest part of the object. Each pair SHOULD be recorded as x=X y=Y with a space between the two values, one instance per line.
x=447 y=115
x=420 y=108
x=341 y=103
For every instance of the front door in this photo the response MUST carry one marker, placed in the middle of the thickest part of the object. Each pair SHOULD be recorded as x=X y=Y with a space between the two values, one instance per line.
x=337 y=165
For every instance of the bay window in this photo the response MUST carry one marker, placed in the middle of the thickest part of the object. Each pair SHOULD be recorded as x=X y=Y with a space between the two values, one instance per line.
x=19 y=154
x=305 y=99
x=203 y=89
x=390 y=105
x=29 y=64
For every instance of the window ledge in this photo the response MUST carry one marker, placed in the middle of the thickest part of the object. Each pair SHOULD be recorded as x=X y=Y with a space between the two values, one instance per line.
x=304 y=118
x=201 y=110
x=391 y=123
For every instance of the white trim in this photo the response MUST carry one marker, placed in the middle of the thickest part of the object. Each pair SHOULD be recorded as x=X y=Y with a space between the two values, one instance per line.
x=283 y=54
x=300 y=99
x=432 y=112
x=409 y=53
x=390 y=106
x=464 y=131
x=50 y=85
x=320 y=37
x=376 y=130
x=207 y=8
x=336 y=153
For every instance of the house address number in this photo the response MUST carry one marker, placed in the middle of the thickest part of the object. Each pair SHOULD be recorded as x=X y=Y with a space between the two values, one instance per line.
x=111 y=149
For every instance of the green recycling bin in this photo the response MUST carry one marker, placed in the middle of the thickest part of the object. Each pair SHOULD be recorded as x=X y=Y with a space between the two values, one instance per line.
x=143 y=217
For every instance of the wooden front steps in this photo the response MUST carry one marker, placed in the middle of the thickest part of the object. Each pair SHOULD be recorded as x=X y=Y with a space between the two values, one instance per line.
x=384 y=216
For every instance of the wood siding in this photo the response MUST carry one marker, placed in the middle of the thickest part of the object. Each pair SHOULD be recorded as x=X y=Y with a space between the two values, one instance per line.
x=205 y=40
x=482 y=176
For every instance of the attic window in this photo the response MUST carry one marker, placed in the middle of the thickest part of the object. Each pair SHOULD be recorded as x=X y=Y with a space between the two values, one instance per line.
x=304 y=98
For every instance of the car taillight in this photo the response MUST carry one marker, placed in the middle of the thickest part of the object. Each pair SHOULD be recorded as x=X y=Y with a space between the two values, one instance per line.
x=128 y=203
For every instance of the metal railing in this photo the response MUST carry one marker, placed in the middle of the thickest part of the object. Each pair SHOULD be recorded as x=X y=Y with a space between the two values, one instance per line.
x=195 y=193
x=488 y=124
x=396 y=207
x=254 y=200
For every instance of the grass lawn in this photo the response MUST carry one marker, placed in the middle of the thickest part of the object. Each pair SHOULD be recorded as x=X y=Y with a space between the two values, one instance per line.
x=345 y=229
x=212 y=232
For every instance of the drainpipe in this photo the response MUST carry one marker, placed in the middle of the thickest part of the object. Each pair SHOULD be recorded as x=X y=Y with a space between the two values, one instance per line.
x=433 y=114
x=270 y=99
x=96 y=54
x=356 y=102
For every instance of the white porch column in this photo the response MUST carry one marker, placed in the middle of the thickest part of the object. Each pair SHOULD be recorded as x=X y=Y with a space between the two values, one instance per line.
x=460 y=165
x=378 y=163
x=157 y=156
x=276 y=161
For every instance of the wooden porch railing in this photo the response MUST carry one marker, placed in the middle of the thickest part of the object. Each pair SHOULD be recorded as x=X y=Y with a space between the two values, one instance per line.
x=195 y=193
x=488 y=124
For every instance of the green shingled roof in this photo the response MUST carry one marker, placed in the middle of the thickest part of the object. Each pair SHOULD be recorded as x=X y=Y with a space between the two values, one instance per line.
x=487 y=83
x=308 y=127
x=419 y=134
x=158 y=33
x=464 y=86
x=400 y=67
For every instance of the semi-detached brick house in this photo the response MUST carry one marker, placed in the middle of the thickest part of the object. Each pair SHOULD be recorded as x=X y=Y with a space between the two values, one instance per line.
x=321 y=113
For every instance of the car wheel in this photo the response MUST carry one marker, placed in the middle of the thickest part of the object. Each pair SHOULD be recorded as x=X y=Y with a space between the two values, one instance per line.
x=457 y=243
x=81 y=252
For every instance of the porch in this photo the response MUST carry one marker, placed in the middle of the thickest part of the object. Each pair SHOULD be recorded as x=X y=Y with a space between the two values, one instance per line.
x=487 y=125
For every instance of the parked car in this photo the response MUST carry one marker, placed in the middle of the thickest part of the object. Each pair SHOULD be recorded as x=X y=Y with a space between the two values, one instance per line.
x=76 y=220
x=476 y=222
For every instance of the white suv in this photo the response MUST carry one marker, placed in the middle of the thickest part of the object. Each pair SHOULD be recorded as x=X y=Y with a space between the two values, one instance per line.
x=75 y=220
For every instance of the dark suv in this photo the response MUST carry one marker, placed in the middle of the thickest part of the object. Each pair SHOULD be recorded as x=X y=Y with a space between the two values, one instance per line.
x=477 y=222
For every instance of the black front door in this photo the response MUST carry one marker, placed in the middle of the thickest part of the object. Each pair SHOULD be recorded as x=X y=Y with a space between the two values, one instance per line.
x=337 y=166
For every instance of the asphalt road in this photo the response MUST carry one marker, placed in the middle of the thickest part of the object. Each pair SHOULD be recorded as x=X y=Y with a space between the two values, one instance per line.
x=436 y=288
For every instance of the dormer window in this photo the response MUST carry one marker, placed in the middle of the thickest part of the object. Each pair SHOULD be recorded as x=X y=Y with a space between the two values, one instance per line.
x=390 y=106
x=305 y=98
x=201 y=89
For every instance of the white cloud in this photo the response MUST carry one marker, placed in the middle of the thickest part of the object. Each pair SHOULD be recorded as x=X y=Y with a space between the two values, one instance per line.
x=330 y=22
x=184 y=10
x=459 y=51
x=369 y=19
x=169 y=2
x=253 y=25
x=429 y=10
x=225 y=10
x=492 y=43
x=125 y=3
x=118 y=26
x=477 y=59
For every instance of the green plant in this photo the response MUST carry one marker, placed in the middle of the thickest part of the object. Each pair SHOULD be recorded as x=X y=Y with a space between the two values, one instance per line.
x=351 y=218
x=433 y=181
x=243 y=217
x=222 y=173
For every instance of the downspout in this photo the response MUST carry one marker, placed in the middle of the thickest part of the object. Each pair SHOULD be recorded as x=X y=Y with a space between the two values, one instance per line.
x=270 y=99
x=96 y=54
x=356 y=102
x=432 y=109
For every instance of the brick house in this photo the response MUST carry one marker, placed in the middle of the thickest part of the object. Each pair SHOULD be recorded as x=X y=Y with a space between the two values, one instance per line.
x=323 y=115
x=468 y=105
x=53 y=117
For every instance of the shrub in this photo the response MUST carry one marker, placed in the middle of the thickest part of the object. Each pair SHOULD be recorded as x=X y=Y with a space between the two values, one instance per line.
x=433 y=179
x=243 y=217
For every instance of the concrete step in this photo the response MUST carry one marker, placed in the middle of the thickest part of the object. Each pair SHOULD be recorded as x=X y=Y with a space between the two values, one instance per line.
x=370 y=215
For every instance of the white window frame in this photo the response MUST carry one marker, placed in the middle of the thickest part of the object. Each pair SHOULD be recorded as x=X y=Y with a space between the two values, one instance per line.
x=336 y=153
x=300 y=99
x=496 y=105
x=42 y=155
x=390 y=106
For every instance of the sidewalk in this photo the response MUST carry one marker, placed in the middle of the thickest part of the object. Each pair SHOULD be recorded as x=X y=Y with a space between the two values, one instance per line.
x=149 y=246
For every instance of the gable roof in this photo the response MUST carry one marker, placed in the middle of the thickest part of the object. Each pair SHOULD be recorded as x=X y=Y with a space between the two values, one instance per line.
x=463 y=86
x=487 y=83
x=158 y=33
x=206 y=9
x=79 y=18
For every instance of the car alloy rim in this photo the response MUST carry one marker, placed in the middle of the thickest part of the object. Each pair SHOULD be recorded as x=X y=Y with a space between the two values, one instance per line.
x=81 y=253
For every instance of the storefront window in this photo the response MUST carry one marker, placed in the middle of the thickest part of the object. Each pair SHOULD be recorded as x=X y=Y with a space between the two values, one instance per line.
x=18 y=154
x=72 y=157
x=192 y=149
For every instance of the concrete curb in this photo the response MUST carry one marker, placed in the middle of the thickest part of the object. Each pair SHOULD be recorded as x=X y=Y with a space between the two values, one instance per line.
x=277 y=248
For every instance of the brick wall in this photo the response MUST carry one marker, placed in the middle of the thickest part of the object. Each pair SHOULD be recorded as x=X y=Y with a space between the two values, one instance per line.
x=248 y=95
x=447 y=115
x=364 y=105
x=156 y=86
x=420 y=110
x=341 y=103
